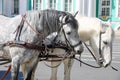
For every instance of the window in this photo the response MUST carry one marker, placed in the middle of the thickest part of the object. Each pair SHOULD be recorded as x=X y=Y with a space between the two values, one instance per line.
x=52 y=4
x=105 y=11
x=37 y=4
x=105 y=8
x=16 y=7
x=118 y=8
x=68 y=5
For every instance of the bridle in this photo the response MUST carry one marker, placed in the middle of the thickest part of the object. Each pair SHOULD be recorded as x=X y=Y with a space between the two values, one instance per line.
x=67 y=42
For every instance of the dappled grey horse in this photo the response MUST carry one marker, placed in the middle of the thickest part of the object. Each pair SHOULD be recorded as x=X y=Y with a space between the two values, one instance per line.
x=21 y=37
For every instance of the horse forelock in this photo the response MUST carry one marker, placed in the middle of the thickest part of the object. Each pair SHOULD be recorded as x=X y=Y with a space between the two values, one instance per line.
x=74 y=22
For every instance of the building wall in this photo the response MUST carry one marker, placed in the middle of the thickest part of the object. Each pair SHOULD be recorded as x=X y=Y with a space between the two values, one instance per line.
x=114 y=11
x=114 y=18
x=85 y=7
x=0 y=6
x=22 y=6
x=7 y=7
x=29 y=6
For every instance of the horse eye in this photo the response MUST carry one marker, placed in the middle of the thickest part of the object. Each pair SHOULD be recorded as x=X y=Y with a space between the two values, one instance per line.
x=105 y=42
x=69 y=33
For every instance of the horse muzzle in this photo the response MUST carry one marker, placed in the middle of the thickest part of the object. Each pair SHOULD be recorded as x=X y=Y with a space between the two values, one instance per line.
x=103 y=63
x=78 y=48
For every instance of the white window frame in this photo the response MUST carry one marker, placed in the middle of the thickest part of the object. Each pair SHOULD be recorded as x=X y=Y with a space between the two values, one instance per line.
x=37 y=4
x=105 y=7
x=68 y=5
x=53 y=4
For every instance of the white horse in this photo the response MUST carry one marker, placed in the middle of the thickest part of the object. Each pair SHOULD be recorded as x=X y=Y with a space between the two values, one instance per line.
x=100 y=36
x=24 y=45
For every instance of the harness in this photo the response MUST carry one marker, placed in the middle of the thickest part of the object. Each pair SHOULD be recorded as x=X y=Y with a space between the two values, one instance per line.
x=19 y=43
x=41 y=48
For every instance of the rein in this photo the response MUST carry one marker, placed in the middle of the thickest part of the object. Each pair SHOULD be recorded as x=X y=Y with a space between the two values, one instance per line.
x=63 y=57
x=101 y=59
x=101 y=56
x=5 y=74
x=24 y=44
x=29 y=25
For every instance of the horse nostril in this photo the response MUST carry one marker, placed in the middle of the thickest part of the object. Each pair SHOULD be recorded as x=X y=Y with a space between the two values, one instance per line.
x=79 y=52
x=105 y=64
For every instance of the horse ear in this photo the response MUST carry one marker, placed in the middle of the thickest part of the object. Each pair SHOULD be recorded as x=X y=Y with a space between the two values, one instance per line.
x=75 y=14
x=64 y=19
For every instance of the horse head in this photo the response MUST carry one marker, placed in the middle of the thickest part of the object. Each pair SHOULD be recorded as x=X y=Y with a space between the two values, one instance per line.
x=103 y=45
x=100 y=35
x=69 y=34
x=107 y=36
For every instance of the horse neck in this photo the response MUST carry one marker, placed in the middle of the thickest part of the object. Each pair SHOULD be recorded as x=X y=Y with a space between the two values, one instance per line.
x=46 y=24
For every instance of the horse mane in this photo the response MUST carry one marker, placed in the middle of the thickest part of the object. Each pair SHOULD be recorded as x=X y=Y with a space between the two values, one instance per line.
x=48 y=19
x=51 y=18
